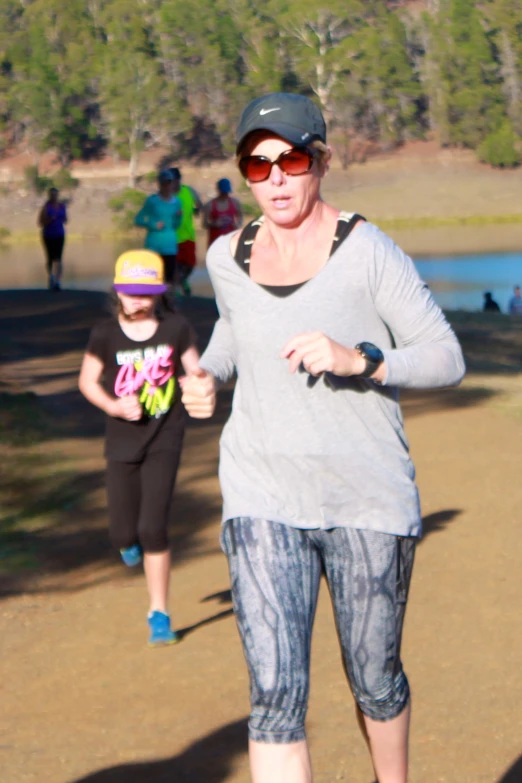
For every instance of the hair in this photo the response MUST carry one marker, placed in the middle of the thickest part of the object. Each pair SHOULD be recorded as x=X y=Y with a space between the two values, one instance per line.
x=163 y=305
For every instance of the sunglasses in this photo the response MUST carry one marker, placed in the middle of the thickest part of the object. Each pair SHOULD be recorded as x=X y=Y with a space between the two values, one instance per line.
x=294 y=162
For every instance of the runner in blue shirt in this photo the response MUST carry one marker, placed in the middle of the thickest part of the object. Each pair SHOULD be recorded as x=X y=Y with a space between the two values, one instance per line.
x=161 y=216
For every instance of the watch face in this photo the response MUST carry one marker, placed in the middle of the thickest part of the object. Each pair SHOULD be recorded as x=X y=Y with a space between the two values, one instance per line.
x=373 y=354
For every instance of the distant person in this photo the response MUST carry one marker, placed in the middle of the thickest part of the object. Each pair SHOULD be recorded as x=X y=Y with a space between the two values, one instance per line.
x=223 y=213
x=490 y=306
x=52 y=219
x=130 y=371
x=515 y=303
x=161 y=216
x=190 y=207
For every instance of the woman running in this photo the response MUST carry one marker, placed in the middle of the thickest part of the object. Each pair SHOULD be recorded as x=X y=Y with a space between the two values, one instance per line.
x=324 y=318
x=130 y=371
x=52 y=219
x=223 y=213
x=161 y=216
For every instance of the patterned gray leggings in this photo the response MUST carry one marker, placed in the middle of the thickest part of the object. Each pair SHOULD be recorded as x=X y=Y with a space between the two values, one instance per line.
x=275 y=572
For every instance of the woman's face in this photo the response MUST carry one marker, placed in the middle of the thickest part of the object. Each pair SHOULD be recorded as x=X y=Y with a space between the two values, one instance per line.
x=166 y=188
x=286 y=200
x=137 y=308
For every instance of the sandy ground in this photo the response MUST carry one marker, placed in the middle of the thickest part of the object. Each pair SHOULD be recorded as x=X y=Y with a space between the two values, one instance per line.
x=419 y=181
x=85 y=701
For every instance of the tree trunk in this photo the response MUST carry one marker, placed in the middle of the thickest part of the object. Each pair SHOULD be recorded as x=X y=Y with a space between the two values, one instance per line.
x=511 y=79
x=133 y=167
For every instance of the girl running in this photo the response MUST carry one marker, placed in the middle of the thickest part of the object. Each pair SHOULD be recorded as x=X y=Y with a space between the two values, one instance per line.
x=223 y=213
x=52 y=219
x=130 y=371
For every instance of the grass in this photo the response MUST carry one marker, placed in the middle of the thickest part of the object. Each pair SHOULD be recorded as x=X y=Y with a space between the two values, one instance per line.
x=35 y=488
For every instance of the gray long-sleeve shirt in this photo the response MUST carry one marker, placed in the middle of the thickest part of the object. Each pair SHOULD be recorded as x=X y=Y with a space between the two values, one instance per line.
x=326 y=452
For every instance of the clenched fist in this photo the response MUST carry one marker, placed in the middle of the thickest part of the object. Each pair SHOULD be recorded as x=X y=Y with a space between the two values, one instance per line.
x=318 y=354
x=128 y=408
x=199 y=394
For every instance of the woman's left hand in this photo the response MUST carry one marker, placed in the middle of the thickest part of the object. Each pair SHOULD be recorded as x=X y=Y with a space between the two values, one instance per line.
x=318 y=354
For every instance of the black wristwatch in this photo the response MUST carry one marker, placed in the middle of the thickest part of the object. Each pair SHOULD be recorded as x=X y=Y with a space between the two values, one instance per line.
x=374 y=358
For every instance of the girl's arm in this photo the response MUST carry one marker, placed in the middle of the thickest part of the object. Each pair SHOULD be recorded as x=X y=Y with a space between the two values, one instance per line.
x=128 y=408
x=239 y=215
x=146 y=218
x=190 y=360
x=43 y=217
x=206 y=215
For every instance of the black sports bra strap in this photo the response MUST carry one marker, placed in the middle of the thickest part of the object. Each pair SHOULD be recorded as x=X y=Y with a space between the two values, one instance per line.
x=345 y=225
x=245 y=242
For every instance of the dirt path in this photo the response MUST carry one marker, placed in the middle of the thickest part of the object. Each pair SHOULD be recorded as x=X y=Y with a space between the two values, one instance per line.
x=85 y=701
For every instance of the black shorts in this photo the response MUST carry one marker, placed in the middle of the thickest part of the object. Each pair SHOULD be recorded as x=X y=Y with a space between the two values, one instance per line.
x=169 y=267
x=53 y=249
x=139 y=495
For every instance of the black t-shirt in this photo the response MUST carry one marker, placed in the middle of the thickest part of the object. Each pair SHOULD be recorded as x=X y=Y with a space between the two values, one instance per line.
x=150 y=369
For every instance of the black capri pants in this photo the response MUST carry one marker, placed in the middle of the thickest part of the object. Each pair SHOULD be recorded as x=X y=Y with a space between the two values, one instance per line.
x=53 y=249
x=169 y=267
x=139 y=496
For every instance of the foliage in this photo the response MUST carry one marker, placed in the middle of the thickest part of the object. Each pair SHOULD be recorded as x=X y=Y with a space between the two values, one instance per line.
x=36 y=182
x=501 y=148
x=126 y=206
x=4 y=234
x=63 y=180
x=78 y=77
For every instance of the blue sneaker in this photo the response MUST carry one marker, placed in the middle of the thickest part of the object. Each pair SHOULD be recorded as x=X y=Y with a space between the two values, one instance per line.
x=160 y=630
x=132 y=556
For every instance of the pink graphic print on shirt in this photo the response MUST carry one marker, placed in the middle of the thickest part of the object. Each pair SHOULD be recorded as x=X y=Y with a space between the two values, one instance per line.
x=148 y=373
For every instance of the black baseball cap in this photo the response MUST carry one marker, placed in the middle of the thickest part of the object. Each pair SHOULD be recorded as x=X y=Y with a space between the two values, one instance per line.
x=293 y=117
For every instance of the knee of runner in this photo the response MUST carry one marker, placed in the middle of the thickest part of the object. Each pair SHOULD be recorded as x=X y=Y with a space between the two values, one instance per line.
x=153 y=541
x=275 y=722
x=385 y=700
x=121 y=539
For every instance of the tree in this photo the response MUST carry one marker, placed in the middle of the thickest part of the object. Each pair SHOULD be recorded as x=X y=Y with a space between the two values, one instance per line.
x=51 y=86
x=505 y=20
x=136 y=102
x=501 y=148
x=390 y=86
x=469 y=73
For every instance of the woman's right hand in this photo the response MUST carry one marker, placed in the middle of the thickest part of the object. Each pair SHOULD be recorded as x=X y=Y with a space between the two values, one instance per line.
x=128 y=408
x=199 y=394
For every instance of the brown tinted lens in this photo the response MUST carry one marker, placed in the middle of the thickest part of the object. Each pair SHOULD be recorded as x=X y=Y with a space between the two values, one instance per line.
x=296 y=161
x=255 y=168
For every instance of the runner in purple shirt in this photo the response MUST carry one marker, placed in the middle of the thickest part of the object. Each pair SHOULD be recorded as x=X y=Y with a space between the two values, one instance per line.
x=52 y=218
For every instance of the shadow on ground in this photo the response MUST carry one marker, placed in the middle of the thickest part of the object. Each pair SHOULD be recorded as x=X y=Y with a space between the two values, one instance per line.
x=208 y=760
x=514 y=773
x=438 y=521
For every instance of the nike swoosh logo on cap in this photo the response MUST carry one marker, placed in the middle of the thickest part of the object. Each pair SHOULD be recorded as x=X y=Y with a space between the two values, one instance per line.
x=267 y=111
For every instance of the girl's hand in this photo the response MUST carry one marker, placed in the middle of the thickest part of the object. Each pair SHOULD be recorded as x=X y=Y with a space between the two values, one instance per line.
x=128 y=408
x=318 y=354
x=199 y=394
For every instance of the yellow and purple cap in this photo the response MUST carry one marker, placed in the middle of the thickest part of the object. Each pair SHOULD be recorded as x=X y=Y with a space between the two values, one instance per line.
x=139 y=272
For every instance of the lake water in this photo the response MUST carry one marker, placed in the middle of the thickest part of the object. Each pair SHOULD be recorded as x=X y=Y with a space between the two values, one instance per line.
x=457 y=282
